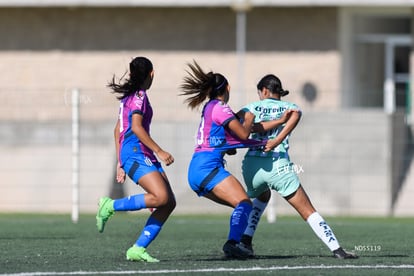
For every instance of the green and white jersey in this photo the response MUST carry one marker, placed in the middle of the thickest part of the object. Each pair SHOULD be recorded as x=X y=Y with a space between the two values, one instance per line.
x=267 y=110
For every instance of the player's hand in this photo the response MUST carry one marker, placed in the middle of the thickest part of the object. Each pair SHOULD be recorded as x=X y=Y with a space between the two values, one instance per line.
x=120 y=174
x=286 y=115
x=271 y=144
x=249 y=117
x=165 y=157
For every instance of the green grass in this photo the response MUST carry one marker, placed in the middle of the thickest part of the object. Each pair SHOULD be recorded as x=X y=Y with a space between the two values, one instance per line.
x=33 y=243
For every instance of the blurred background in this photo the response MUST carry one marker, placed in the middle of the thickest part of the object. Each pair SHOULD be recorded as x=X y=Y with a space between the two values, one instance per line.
x=346 y=64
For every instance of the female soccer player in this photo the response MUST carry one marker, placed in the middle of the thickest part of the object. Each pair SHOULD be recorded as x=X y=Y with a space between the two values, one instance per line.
x=276 y=120
x=136 y=152
x=219 y=132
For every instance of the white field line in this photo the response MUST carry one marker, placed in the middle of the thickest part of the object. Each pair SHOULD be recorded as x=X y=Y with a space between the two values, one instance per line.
x=167 y=271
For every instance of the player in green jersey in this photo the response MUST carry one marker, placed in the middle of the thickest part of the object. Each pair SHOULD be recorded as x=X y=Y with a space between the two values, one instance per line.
x=271 y=168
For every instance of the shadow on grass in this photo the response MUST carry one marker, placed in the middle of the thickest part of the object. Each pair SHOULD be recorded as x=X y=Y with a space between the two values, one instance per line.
x=274 y=257
x=285 y=257
x=223 y=258
x=384 y=256
x=38 y=238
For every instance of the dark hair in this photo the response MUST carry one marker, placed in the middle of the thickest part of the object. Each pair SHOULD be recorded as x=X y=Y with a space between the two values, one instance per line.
x=272 y=83
x=140 y=69
x=200 y=85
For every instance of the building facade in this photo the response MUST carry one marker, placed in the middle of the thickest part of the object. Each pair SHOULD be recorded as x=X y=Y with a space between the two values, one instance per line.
x=346 y=63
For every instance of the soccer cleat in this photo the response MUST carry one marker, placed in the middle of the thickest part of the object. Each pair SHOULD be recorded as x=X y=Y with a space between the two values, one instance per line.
x=246 y=248
x=138 y=253
x=233 y=251
x=105 y=211
x=246 y=245
x=340 y=253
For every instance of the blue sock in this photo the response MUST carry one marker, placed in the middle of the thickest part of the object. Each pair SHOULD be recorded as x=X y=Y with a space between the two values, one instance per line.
x=149 y=233
x=238 y=220
x=130 y=203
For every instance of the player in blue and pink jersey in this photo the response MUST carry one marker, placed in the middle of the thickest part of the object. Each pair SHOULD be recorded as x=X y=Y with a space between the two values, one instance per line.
x=275 y=119
x=137 y=157
x=219 y=132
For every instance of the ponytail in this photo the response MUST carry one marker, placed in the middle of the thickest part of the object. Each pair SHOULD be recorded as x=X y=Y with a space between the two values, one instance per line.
x=199 y=85
x=140 y=69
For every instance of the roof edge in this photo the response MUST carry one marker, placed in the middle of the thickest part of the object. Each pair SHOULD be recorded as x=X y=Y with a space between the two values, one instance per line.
x=202 y=3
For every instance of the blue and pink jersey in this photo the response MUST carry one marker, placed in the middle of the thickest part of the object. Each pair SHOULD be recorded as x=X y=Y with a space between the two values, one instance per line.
x=212 y=134
x=136 y=103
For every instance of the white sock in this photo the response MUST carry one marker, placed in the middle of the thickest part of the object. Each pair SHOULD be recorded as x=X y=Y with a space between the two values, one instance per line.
x=323 y=231
x=254 y=217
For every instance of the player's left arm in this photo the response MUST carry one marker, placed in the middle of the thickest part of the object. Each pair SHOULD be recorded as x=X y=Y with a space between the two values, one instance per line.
x=145 y=138
x=290 y=125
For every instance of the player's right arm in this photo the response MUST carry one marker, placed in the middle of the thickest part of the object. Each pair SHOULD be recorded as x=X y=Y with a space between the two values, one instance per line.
x=242 y=130
x=269 y=125
x=287 y=129
x=120 y=173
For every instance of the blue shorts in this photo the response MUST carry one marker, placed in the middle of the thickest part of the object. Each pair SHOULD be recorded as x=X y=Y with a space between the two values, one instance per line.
x=138 y=165
x=206 y=170
x=264 y=173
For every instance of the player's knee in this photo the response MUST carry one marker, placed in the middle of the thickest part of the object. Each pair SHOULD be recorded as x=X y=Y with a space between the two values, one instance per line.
x=161 y=199
x=265 y=196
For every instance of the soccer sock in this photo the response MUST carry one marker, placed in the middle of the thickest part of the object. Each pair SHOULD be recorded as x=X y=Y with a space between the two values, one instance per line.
x=130 y=203
x=238 y=220
x=149 y=233
x=323 y=231
x=254 y=217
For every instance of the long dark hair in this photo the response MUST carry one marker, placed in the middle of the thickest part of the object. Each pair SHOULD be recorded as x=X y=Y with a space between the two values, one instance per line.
x=272 y=83
x=140 y=69
x=199 y=85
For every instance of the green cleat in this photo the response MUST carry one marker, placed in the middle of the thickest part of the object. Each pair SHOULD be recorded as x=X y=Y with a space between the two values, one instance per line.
x=137 y=253
x=105 y=211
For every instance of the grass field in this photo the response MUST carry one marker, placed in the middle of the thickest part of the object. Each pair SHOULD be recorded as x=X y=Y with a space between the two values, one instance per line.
x=33 y=244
